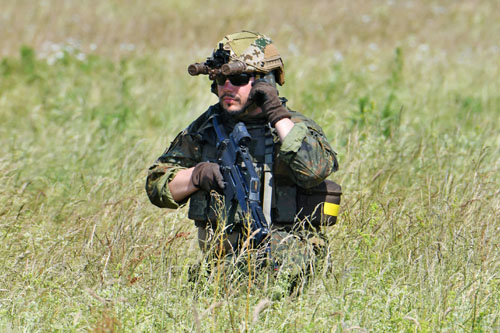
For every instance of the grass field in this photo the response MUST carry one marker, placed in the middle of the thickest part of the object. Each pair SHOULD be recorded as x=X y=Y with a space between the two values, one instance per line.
x=408 y=93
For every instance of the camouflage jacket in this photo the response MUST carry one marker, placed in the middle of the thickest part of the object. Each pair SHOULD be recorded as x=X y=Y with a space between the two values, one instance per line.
x=304 y=159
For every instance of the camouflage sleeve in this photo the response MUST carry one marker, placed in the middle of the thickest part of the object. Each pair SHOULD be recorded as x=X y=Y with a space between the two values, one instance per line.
x=182 y=154
x=308 y=154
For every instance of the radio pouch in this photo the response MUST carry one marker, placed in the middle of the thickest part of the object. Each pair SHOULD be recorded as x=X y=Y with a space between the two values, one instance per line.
x=319 y=205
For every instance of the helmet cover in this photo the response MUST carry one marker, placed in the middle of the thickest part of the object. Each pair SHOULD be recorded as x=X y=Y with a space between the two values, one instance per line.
x=255 y=50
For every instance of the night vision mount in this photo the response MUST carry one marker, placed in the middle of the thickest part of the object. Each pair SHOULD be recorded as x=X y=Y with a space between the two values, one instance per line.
x=219 y=63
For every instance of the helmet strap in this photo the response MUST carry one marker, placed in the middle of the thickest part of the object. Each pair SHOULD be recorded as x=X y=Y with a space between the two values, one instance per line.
x=213 y=88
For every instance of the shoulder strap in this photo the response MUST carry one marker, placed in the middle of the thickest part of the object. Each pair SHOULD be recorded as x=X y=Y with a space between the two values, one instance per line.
x=268 y=176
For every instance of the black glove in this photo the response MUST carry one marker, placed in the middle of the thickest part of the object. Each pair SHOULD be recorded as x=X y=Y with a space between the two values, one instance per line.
x=207 y=176
x=266 y=97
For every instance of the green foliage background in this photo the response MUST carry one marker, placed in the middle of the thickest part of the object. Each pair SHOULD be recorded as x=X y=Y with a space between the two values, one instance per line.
x=406 y=91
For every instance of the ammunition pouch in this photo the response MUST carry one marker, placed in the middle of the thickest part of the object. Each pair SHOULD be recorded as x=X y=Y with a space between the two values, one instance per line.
x=204 y=206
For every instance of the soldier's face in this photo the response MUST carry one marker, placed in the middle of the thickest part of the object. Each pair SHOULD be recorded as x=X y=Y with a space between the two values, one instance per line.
x=233 y=98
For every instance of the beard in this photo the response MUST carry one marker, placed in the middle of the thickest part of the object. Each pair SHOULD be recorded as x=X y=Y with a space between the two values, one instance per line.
x=245 y=113
x=233 y=113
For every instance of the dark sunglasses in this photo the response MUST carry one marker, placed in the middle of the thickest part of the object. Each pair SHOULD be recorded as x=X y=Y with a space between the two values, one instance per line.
x=236 y=80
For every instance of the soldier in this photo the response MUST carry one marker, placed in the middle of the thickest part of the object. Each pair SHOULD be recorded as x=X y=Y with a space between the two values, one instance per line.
x=289 y=151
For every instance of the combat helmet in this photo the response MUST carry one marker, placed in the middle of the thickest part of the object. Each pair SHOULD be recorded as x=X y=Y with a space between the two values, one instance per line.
x=243 y=52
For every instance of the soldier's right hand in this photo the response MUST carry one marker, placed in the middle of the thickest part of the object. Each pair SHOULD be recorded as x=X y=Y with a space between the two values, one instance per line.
x=207 y=176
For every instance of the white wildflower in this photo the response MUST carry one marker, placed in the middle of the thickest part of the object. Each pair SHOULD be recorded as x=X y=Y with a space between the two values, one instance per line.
x=81 y=56
x=337 y=55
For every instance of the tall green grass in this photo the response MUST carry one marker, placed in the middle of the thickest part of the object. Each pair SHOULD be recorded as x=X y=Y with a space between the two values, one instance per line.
x=414 y=121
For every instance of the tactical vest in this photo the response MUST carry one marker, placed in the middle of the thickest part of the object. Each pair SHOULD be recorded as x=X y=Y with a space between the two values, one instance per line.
x=290 y=203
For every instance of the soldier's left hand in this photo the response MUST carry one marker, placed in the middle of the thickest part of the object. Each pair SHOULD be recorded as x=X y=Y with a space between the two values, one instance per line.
x=266 y=97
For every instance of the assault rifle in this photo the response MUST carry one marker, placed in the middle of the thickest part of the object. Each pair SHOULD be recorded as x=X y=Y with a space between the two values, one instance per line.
x=233 y=150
